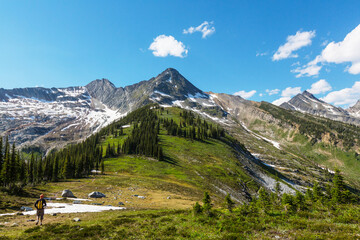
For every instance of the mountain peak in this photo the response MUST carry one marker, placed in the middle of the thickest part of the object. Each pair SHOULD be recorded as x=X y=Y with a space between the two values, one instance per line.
x=101 y=83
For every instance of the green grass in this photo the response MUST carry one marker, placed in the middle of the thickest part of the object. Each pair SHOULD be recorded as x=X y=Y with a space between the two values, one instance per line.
x=341 y=222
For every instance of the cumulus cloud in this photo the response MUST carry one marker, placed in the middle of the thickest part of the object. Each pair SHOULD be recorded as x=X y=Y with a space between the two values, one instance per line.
x=163 y=46
x=273 y=91
x=346 y=96
x=244 y=94
x=346 y=51
x=287 y=94
x=206 y=28
x=321 y=86
x=293 y=43
x=307 y=70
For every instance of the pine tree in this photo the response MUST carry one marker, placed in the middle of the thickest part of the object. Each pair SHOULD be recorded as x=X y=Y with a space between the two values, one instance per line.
x=229 y=203
x=55 y=170
x=102 y=167
x=317 y=194
x=197 y=209
x=339 y=193
x=207 y=203
x=30 y=169
x=264 y=200
x=39 y=170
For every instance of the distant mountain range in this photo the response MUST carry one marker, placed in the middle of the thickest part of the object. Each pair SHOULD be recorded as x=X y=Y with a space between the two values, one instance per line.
x=308 y=103
x=54 y=117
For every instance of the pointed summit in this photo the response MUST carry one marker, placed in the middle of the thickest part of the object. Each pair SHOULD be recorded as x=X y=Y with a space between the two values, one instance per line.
x=101 y=89
x=171 y=82
x=308 y=103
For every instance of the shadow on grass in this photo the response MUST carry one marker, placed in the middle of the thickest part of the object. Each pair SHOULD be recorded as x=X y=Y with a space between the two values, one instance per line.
x=170 y=160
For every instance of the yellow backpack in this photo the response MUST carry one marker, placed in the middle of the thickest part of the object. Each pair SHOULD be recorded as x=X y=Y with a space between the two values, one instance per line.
x=40 y=204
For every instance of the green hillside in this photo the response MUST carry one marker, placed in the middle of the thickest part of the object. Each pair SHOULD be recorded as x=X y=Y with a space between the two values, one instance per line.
x=309 y=145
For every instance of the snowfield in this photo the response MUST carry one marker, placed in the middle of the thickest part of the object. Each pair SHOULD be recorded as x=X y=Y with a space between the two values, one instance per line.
x=70 y=208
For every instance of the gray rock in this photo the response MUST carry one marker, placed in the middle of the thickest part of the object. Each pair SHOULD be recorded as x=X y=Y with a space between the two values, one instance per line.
x=96 y=195
x=31 y=220
x=77 y=202
x=19 y=214
x=76 y=219
x=141 y=197
x=121 y=203
x=14 y=225
x=67 y=193
x=53 y=214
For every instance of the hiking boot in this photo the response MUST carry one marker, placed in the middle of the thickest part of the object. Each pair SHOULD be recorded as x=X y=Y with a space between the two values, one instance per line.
x=36 y=223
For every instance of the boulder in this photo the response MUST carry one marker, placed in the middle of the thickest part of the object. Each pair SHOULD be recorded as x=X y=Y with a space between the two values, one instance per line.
x=67 y=193
x=77 y=202
x=96 y=195
x=76 y=219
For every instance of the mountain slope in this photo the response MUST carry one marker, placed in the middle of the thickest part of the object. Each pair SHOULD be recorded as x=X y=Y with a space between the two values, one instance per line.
x=54 y=117
x=308 y=103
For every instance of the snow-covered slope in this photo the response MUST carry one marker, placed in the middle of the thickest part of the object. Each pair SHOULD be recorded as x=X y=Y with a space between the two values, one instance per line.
x=49 y=117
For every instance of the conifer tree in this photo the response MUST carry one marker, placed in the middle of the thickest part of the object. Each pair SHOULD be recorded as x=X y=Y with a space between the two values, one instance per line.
x=264 y=200
x=229 y=203
x=55 y=170
x=207 y=203
x=102 y=165
x=317 y=194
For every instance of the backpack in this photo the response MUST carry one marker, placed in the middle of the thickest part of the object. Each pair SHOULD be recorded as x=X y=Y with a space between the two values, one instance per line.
x=39 y=205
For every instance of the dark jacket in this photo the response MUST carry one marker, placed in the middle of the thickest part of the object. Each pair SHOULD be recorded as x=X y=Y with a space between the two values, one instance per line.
x=40 y=204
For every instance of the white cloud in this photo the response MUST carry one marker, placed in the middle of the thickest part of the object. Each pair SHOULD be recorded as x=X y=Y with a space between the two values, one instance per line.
x=260 y=94
x=205 y=28
x=290 y=91
x=307 y=70
x=273 y=91
x=294 y=42
x=281 y=100
x=287 y=94
x=346 y=96
x=321 y=86
x=163 y=46
x=347 y=50
x=244 y=94
x=261 y=54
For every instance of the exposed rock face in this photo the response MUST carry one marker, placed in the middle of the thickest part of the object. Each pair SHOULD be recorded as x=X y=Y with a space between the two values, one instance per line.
x=355 y=110
x=308 y=103
x=50 y=117
x=54 y=117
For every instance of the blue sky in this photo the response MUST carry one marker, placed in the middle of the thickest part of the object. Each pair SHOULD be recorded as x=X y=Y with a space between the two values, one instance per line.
x=234 y=46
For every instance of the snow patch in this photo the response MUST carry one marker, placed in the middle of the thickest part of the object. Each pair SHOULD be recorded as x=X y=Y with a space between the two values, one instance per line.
x=70 y=208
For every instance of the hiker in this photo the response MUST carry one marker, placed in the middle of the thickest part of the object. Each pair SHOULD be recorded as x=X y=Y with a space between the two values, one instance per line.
x=39 y=205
